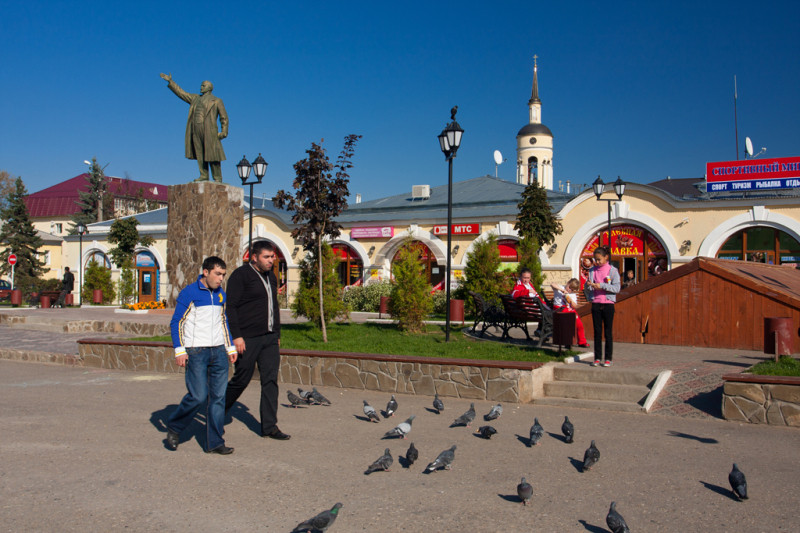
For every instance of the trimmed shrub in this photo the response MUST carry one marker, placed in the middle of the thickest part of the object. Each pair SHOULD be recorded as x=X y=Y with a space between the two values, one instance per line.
x=366 y=298
x=411 y=300
x=306 y=301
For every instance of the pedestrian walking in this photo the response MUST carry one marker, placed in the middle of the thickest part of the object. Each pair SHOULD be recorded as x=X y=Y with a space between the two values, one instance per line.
x=67 y=286
x=255 y=321
x=601 y=288
x=203 y=345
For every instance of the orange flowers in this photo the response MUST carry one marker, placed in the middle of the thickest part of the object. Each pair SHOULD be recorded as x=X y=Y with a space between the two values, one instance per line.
x=141 y=306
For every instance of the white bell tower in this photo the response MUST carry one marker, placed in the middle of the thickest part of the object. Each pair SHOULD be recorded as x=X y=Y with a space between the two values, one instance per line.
x=535 y=142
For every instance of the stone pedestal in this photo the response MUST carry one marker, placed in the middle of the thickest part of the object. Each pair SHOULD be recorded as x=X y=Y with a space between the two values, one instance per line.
x=203 y=219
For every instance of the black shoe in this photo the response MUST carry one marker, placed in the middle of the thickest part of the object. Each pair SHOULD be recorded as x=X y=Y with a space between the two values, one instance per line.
x=173 y=439
x=277 y=434
x=222 y=450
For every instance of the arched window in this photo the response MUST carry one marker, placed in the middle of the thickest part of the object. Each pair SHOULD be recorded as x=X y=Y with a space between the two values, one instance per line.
x=98 y=257
x=350 y=268
x=762 y=245
x=533 y=170
x=633 y=249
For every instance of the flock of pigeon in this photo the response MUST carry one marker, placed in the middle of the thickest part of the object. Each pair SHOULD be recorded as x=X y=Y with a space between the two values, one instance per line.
x=444 y=460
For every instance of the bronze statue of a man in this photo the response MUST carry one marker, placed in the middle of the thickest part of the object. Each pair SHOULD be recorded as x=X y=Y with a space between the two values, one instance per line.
x=202 y=136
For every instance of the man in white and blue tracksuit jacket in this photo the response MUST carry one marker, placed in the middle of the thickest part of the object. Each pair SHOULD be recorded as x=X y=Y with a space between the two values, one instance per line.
x=202 y=343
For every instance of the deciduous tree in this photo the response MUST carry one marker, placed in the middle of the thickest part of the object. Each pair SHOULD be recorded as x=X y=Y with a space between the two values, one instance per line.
x=125 y=234
x=319 y=197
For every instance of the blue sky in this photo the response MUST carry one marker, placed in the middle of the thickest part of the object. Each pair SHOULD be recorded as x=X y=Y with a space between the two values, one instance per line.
x=637 y=89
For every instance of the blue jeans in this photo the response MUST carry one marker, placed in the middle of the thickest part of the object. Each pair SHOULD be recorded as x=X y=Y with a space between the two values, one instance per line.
x=206 y=380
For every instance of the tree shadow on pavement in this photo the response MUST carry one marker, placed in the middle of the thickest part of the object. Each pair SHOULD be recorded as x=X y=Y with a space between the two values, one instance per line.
x=511 y=498
x=242 y=413
x=702 y=440
x=720 y=490
x=591 y=527
x=194 y=430
x=708 y=402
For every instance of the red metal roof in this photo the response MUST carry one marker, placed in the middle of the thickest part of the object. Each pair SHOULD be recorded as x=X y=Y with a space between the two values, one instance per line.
x=60 y=199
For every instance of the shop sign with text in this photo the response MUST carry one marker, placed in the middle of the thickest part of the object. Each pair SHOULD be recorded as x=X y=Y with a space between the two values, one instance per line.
x=458 y=229
x=372 y=232
x=753 y=174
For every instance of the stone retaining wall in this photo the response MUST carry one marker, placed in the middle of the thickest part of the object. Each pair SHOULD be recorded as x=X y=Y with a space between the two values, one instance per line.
x=771 y=400
x=88 y=326
x=501 y=381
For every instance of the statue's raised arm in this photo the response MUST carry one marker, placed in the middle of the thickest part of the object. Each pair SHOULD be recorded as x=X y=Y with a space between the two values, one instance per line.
x=206 y=126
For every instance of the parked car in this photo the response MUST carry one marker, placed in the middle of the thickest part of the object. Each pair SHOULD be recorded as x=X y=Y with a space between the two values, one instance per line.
x=5 y=290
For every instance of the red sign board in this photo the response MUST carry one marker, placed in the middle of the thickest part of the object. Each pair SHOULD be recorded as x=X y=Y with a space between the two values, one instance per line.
x=458 y=229
x=627 y=241
x=12 y=259
x=753 y=174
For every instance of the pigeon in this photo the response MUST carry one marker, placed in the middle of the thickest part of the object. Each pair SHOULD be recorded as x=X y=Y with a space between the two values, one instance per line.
x=495 y=413
x=568 y=430
x=412 y=454
x=370 y=413
x=294 y=399
x=738 y=482
x=465 y=419
x=391 y=407
x=321 y=522
x=486 y=432
x=590 y=457
x=614 y=520
x=382 y=463
x=319 y=398
x=537 y=432
x=437 y=404
x=401 y=430
x=308 y=396
x=444 y=460
x=525 y=491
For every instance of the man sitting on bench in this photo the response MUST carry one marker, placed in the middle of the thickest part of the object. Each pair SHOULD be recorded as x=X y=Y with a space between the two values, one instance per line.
x=67 y=286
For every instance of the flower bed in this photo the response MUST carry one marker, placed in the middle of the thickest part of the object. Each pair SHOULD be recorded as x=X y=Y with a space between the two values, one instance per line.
x=145 y=306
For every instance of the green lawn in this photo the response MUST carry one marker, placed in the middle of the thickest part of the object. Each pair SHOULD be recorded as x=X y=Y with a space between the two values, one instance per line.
x=786 y=366
x=386 y=339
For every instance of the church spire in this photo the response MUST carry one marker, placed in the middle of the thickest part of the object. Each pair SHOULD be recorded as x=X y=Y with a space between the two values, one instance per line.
x=535 y=90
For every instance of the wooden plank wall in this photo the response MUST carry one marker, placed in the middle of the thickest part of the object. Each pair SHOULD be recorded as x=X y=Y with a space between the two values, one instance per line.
x=698 y=309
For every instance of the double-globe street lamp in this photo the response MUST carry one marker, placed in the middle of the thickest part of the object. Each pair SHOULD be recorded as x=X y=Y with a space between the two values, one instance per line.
x=244 y=167
x=449 y=141
x=598 y=187
x=81 y=230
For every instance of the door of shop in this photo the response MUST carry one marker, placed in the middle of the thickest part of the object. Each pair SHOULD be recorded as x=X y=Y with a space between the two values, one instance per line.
x=147 y=284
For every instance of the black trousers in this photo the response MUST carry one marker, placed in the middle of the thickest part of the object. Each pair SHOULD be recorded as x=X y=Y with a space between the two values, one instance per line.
x=603 y=322
x=265 y=351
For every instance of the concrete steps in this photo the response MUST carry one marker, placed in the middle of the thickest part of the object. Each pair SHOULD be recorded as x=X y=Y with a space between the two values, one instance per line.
x=610 y=389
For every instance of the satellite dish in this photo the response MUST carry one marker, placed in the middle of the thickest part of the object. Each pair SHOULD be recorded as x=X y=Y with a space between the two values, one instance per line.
x=498 y=157
x=748 y=146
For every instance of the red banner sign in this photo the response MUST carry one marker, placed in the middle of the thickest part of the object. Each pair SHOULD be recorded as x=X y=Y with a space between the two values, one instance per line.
x=753 y=174
x=458 y=229
x=627 y=241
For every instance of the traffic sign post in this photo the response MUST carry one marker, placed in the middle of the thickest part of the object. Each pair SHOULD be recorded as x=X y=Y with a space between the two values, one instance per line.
x=12 y=260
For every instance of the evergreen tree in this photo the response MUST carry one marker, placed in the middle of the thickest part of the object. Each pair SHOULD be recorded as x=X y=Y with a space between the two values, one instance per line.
x=97 y=276
x=482 y=274
x=125 y=235
x=536 y=218
x=94 y=202
x=319 y=198
x=306 y=301
x=411 y=300
x=19 y=237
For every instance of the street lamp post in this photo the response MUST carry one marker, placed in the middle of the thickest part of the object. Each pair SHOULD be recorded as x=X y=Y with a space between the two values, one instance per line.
x=619 y=188
x=449 y=141
x=82 y=230
x=244 y=167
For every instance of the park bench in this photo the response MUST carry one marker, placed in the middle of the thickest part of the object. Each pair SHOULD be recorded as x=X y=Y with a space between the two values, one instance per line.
x=487 y=314
x=520 y=311
x=33 y=299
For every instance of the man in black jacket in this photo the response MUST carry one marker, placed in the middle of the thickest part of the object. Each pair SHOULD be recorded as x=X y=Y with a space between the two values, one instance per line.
x=255 y=323
x=67 y=286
